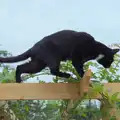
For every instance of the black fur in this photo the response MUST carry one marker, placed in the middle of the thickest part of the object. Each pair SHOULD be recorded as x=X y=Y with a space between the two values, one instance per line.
x=64 y=45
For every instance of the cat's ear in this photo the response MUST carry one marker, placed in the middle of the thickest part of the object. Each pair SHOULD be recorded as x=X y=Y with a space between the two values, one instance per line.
x=115 y=51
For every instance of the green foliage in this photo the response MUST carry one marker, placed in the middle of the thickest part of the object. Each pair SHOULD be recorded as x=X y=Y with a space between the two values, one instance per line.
x=108 y=101
x=4 y=53
x=35 y=110
x=7 y=75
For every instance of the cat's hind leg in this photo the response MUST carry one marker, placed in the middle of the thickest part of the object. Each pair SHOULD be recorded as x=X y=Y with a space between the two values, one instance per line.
x=31 y=67
x=79 y=67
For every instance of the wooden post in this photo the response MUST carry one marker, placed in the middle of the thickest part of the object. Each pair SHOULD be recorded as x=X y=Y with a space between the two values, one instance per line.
x=83 y=88
x=84 y=83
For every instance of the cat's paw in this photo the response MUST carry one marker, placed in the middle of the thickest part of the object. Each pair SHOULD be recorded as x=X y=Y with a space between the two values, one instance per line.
x=66 y=75
x=19 y=81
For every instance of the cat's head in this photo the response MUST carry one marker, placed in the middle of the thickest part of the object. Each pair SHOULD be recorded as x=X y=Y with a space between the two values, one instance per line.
x=107 y=59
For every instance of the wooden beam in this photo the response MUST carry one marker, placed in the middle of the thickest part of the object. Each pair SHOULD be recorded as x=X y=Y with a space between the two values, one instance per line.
x=112 y=88
x=37 y=91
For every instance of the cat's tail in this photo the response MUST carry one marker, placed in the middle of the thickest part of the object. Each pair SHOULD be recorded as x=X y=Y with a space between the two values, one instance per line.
x=18 y=58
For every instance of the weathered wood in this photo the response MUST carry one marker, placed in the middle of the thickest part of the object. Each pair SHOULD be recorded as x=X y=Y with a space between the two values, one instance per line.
x=84 y=83
x=31 y=91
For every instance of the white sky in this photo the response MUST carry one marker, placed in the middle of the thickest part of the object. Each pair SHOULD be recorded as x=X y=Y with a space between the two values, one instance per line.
x=24 y=22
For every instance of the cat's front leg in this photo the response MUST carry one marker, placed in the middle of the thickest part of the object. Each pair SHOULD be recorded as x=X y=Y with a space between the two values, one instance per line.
x=79 y=68
x=56 y=72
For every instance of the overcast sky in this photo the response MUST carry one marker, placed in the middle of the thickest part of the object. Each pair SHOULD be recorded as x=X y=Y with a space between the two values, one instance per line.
x=24 y=22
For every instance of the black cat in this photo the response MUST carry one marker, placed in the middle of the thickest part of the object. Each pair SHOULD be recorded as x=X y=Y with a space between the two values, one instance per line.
x=64 y=45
